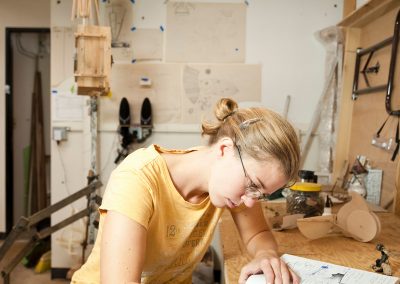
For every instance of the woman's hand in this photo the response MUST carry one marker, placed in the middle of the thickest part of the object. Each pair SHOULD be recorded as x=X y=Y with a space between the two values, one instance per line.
x=275 y=270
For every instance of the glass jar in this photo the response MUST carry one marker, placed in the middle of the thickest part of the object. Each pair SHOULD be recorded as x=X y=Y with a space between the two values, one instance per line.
x=304 y=198
x=307 y=176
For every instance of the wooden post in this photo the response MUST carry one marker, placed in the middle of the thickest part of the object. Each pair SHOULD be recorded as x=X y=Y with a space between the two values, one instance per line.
x=346 y=104
x=397 y=186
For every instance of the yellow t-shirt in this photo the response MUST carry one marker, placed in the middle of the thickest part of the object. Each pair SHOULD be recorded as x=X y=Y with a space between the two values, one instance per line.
x=178 y=232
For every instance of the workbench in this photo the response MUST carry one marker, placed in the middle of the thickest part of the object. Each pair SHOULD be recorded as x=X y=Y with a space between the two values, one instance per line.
x=338 y=250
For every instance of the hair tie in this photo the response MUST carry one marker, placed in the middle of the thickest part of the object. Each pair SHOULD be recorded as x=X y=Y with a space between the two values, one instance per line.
x=228 y=115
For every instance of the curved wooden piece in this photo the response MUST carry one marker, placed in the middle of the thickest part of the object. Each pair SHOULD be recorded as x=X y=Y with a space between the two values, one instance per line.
x=357 y=203
x=316 y=227
x=362 y=225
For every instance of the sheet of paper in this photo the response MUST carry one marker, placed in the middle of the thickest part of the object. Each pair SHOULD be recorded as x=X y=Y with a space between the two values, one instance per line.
x=164 y=93
x=122 y=54
x=204 y=84
x=205 y=32
x=373 y=184
x=62 y=54
x=318 y=272
x=179 y=93
x=313 y=271
x=147 y=44
x=67 y=107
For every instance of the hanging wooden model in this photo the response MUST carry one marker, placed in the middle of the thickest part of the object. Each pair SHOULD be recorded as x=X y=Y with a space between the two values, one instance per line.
x=93 y=52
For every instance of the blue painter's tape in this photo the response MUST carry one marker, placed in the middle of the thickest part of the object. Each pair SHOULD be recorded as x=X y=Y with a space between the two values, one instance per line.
x=133 y=60
x=133 y=29
x=162 y=28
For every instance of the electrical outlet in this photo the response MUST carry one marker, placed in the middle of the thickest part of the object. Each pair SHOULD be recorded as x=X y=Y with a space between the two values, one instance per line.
x=60 y=133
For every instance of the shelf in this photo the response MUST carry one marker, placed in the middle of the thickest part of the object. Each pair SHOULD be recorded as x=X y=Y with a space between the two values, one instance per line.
x=368 y=13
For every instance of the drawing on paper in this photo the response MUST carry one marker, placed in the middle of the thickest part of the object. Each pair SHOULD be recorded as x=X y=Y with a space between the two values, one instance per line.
x=205 y=32
x=204 y=84
x=313 y=272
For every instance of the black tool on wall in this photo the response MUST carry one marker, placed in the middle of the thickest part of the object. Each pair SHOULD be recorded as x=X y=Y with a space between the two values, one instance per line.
x=124 y=125
x=145 y=113
x=146 y=121
x=133 y=133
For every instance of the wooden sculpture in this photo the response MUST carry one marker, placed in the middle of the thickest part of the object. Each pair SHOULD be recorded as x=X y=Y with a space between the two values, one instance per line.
x=354 y=220
x=93 y=51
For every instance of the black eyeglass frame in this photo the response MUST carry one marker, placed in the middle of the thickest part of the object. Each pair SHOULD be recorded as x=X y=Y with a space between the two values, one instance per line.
x=252 y=190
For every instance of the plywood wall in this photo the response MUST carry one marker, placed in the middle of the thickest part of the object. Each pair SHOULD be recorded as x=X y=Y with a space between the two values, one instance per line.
x=364 y=116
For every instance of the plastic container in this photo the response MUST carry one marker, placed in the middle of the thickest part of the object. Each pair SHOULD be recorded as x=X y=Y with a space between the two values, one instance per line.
x=304 y=198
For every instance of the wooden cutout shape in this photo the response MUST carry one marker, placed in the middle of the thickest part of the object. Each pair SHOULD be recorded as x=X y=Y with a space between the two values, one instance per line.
x=354 y=220
x=316 y=227
x=362 y=225
x=356 y=202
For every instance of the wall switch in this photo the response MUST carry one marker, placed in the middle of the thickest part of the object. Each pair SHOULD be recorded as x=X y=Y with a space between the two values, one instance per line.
x=60 y=133
x=145 y=82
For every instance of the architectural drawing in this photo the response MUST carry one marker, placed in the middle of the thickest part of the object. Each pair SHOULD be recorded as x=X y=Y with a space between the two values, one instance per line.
x=179 y=93
x=205 y=32
x=312 y=271
x=204 y=84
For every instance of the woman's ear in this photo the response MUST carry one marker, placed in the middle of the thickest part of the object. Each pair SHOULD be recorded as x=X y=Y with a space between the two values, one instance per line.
x=226 y=146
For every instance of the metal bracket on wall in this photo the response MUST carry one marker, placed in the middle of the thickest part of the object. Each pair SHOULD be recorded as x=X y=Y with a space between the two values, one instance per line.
x=360 y=53
x=26 y=227
x=394 y=41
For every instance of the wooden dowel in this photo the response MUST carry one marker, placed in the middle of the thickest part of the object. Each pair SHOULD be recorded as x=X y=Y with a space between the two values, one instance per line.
x=73 y=13
x=97 y=12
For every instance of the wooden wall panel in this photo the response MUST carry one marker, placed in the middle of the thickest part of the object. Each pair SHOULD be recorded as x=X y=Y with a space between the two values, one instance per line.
x=367 y=113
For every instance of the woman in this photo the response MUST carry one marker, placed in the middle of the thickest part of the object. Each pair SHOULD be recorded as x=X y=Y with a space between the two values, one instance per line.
x=161 y=206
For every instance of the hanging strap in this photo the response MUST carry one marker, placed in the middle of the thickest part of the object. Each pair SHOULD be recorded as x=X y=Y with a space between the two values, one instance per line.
x=396 y=150
x=383 y=125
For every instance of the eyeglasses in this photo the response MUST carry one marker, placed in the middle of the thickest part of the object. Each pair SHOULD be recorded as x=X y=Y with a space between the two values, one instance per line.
x=290 y=184
x=252 y=190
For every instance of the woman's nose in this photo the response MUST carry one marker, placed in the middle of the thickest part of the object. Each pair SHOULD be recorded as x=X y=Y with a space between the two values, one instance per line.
x=248 y=201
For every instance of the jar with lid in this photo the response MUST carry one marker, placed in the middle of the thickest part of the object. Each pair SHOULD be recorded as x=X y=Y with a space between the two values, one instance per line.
x=307 y=176
x=304 y=198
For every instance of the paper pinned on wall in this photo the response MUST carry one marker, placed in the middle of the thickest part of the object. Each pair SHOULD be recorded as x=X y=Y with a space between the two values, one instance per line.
x=204 y=84
x=118 y=14
x=164 y=93
x=147 y=44
x=62 y=54
x=179 y=93
x=205 y=32
x=67 y=107
x=122 y=54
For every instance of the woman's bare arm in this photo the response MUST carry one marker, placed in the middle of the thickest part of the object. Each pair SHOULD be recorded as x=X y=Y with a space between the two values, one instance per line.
x=123 y=247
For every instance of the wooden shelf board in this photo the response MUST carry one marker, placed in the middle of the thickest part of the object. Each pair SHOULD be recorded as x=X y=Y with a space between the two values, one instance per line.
x=368 y=12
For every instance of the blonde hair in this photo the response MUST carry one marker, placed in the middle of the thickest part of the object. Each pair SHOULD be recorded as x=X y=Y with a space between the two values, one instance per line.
x=259 y=132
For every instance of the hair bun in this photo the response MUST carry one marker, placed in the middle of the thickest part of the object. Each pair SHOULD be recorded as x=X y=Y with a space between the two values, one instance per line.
x=224 y=108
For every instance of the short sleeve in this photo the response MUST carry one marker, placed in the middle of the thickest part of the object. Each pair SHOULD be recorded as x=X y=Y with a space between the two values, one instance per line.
x=128 y=193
